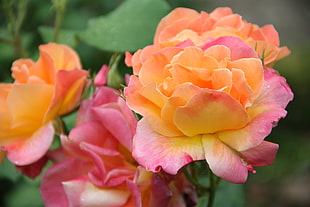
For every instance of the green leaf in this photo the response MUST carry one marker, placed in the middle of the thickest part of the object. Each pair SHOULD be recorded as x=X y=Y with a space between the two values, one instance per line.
x=7 y=171
x=68 y=37
x=26 y=193
x=129 y=27
x=229 y=195
x=69 y=120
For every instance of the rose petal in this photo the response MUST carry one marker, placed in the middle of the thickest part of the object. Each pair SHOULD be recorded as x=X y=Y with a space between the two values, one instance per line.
x=261 y=155
x=154 y=70
x=68 y=89
x=253 y=71
x=51 y=188
x=175 y=17
x=28 y=104
x=101 y=77
x=91 y=132
x=210 y=111
x=237 y=47
x=30 y=149
x=156 y=152
x=147 y=108
x=85 y=194
x=115 y=122
x=223 y=162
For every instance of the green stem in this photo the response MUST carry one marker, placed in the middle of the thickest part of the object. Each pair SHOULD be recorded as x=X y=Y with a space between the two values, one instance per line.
x=60 y=7
x=190 y=178
x=212 y=190
x=15 y=23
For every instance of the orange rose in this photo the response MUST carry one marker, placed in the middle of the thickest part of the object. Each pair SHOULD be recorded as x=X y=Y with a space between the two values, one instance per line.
x=183 y=23
x=42 y=90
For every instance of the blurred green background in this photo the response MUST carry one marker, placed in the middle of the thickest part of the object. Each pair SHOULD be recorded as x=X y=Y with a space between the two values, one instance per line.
x=284 y=184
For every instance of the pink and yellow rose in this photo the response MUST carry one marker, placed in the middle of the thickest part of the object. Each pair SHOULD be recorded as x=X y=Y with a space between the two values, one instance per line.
x=215 y=102
x=42 y=90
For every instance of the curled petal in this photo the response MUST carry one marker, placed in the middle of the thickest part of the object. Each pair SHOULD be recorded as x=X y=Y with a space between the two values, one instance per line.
x=261 y=155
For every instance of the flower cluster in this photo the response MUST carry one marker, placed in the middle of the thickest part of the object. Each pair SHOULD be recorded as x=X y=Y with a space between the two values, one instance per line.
x=204 y=90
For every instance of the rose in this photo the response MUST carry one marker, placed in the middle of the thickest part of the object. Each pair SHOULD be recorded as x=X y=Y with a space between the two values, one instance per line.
x=99 y=151
x=183 y=23
x=215 y=102
x=42 y=90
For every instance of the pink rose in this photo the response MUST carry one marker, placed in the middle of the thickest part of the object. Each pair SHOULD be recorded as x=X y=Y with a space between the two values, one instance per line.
x=98 y=169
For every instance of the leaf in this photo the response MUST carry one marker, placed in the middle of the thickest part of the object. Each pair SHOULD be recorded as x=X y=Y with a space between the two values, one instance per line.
x=69 y=120
x=7 y=171
x=68 y=37
x=129 y=27
x=26 y=193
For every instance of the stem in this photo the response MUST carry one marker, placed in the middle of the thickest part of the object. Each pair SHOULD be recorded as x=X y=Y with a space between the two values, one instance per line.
x=213 y=186
x=190 y=178
x=60 y=7
x=15 y=23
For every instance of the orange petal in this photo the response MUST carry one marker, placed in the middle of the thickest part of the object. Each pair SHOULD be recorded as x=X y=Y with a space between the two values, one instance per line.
x=253 y=71
x=200 y=77
x=195 y=57
x=151 y=93
x=68 y=89
x=219 y=52
x=147 y=108
x=241 y=90
x=222 y=80
x=176 y=15
x=63 y=56
x=29 y=103
x=208 y=112
x=4 y=92
x=154 y=69
x=271 y=34
x=179 y=98
x=233 y=20
x=20 y=70
x=221 y=12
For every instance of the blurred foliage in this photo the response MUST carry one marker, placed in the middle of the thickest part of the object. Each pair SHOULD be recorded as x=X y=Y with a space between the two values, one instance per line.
x=97 y=29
